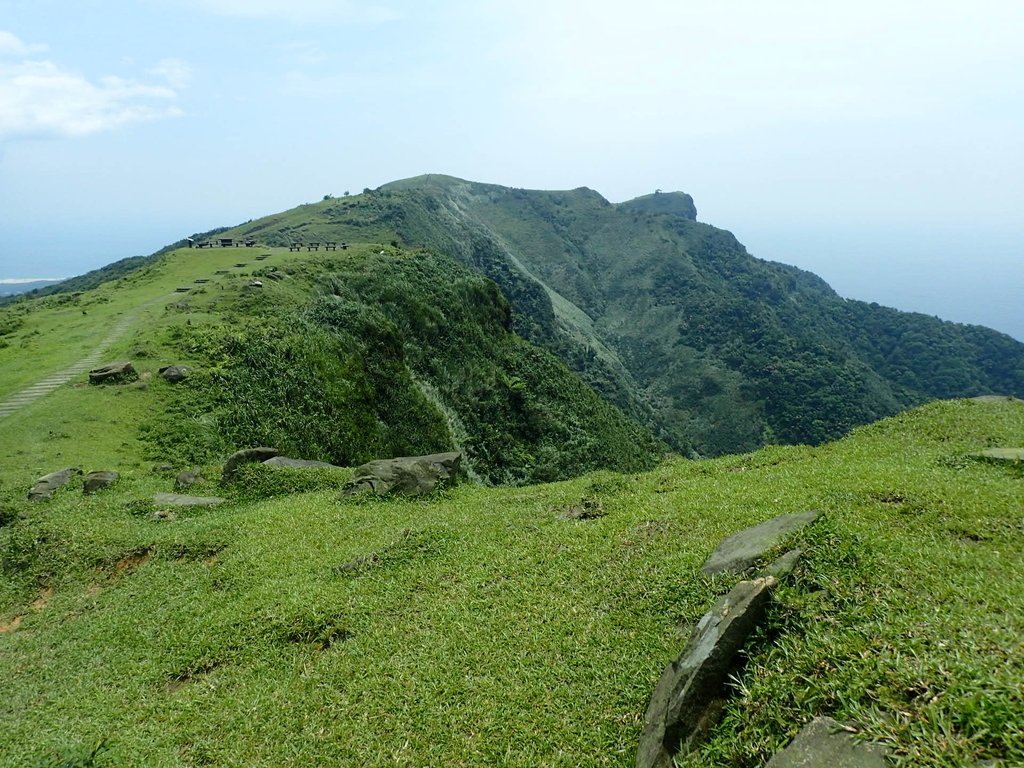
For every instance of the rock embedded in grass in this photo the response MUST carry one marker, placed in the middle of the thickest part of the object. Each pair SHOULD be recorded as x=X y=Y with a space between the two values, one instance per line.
x=181 y=500
x=690 y=693
x=113 y=373
x=284 y=461
x=405 y=475
x=47 y=485
x=246 y=456
x=97 y=481
x=741 y=550
x=826 y=743
x=175 y=373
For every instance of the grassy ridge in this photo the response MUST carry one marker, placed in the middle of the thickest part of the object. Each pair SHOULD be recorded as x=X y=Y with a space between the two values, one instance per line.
x=481 y=628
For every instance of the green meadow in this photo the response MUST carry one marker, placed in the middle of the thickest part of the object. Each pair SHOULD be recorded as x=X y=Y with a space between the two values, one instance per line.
x=478 y=626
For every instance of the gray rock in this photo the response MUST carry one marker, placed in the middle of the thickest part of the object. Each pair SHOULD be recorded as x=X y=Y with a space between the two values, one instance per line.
x=187 y=478
x=407 y=475
x=97 y=481
x=113 y=373
x=246 y=456
x=825 y=743
x=782 y=566
x=997 y=399
x=998 y=455
x=45 y=486
x=741 y=550
x=175 y=373
x=284 y=461
x=181 y=500
x=687 y=698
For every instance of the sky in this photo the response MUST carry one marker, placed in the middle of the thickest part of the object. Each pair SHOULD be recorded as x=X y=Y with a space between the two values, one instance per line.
x=877 y=144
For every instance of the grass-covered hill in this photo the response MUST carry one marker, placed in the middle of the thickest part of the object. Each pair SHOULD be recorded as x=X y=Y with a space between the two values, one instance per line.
x=482 y=627
x=671 y=318
x=343 y=356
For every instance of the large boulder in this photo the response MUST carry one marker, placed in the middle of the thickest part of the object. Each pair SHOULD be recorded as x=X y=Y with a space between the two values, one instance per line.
x=113 y=373
x=406 y=475
x=246 y=456
x=97 y=481
x=45 y=486
x=690 y=692
x=741 y=550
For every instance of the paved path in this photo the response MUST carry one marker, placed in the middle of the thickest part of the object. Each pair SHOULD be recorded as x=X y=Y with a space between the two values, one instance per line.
x=44 y=387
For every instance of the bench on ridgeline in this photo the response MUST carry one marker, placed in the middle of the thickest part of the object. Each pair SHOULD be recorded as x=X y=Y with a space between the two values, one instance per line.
x=330 y=245
x=313 y=247
x=295 y=247
x=344 y=246
x=226 y=242
x=240 y=264
x=250 y=243
x=204 y=244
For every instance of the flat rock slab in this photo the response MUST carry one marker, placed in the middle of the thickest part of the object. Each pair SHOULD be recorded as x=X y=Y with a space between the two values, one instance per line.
x=45 y=486
x=181 y=500
x=999 y=454
x=284 y=461
x=741 y=550
x=997 y=399
x=825 y=743
x=687 y=698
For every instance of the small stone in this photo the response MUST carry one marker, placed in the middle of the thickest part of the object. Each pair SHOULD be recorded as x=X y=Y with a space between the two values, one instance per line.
x=784 y=565
x=164 y=514
x=175 y=373
x=246 y=456
x=97 y=481
x=187 y=478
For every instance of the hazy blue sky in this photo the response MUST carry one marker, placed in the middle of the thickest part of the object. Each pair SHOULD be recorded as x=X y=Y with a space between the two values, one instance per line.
x=878 y=144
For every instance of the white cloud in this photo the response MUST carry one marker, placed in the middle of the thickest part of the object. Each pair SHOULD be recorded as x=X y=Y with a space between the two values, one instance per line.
x=302 y=11
x=176 y=72
x=10 y=45
x=40 y=100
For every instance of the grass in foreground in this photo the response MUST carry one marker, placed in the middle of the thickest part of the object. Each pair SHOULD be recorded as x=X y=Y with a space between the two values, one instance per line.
x=481 y=628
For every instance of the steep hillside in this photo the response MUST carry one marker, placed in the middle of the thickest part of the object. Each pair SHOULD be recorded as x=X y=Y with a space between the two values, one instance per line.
x=670 y=318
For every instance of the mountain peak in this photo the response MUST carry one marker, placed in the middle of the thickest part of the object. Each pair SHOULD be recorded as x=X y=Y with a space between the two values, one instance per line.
x=676 y=203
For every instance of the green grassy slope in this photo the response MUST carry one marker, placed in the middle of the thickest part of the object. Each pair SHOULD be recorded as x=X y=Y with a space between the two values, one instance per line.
x=480 y=627
x=342 y=356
